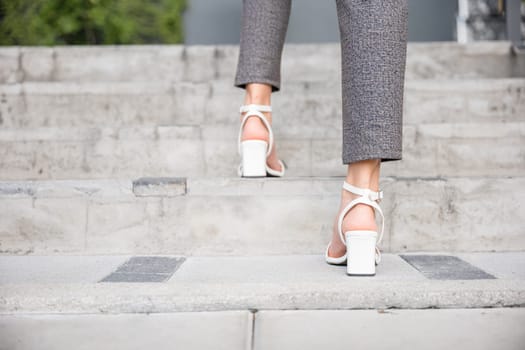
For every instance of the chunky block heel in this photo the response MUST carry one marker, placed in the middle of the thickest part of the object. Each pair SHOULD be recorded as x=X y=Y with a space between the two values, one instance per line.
x=253 y=158
x=254 y=152
x=361 y=251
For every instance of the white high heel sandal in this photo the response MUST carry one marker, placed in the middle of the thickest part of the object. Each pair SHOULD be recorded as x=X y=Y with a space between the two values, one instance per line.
x=362 y=252
x=254 y=152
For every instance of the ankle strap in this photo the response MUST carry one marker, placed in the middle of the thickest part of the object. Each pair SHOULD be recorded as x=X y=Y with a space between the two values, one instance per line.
x=372 y=195
x=260 y=108
x=254 y=110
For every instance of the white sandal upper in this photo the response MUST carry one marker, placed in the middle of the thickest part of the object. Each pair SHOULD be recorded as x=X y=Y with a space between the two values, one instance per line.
x=368 y=197
x=254 y=110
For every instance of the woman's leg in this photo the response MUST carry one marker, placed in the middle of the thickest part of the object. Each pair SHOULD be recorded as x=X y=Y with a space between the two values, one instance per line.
x=263 y=30
x=373 y=47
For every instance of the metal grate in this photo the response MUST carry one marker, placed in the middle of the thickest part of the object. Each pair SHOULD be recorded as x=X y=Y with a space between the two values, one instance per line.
x=445 y=267
x=145 y=269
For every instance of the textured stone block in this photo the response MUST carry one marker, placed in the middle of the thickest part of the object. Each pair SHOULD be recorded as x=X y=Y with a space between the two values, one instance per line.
x=199 y=63
x=120 y=63
x=55 y=104
x=164 y=187
x=131 y=158
x=240 y=216
x=311 y=109
x=38 y=64
x=320 y=62
x=221 y=156
x=431 y=329
x=226 y=58
x=202 y=63
x=190 y=103
x=457 y=205
x=252 y=225
x=128 y=331
x=32 y=225
x=9 y=65
x=437 y=149
x=120 y=223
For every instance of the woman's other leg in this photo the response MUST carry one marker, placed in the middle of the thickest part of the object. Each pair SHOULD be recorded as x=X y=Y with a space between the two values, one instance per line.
x=263 y=31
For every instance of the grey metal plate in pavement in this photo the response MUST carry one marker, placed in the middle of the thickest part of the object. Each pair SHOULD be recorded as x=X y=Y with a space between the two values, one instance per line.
x=145 y=269
x=445 y=267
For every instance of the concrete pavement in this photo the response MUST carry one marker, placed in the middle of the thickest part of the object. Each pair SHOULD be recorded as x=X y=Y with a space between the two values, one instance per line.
x=259 y=302
x=73 y=284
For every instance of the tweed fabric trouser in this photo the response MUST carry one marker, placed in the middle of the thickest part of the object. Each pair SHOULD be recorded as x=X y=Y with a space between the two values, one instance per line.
x=373 y=37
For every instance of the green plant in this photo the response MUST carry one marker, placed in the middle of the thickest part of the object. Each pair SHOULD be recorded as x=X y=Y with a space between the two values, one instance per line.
x=77 y=22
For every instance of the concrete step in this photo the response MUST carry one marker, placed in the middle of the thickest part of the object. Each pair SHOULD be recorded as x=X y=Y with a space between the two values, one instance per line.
x=490 y=59
x=159 y=284
x=305 y=103
x=261 y=302
x=429 y=149
x=233 y=216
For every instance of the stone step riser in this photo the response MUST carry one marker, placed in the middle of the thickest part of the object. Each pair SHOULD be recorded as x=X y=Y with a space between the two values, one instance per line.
x=250 y=217
x=267 y=329
x=204 y=63
x=428 y=150
x=306 y=104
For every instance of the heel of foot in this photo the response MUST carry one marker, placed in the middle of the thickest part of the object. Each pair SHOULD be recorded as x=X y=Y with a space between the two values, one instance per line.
x=254 y=129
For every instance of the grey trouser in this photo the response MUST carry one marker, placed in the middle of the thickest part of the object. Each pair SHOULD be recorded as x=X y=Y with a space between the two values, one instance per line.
x=373 y=47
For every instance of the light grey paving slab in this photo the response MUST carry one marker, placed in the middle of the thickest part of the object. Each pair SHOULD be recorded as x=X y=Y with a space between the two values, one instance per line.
x=390 y=329
x=263 y=285
x=276 y=269
x=228 y=330
x=510 y=265
x=57 y=269
x=445 y=267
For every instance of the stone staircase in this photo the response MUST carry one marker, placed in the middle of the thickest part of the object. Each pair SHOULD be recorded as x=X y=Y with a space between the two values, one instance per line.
x=112 y=153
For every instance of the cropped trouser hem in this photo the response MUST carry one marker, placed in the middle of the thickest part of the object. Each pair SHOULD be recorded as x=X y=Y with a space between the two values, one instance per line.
x=241 y=82
x=383 y=156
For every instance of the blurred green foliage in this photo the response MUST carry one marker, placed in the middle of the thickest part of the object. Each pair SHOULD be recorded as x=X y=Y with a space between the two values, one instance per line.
x=78 y=22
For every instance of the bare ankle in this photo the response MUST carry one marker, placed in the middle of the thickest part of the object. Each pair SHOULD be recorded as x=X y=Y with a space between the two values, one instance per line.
x=364 y=174
x=257 y=93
